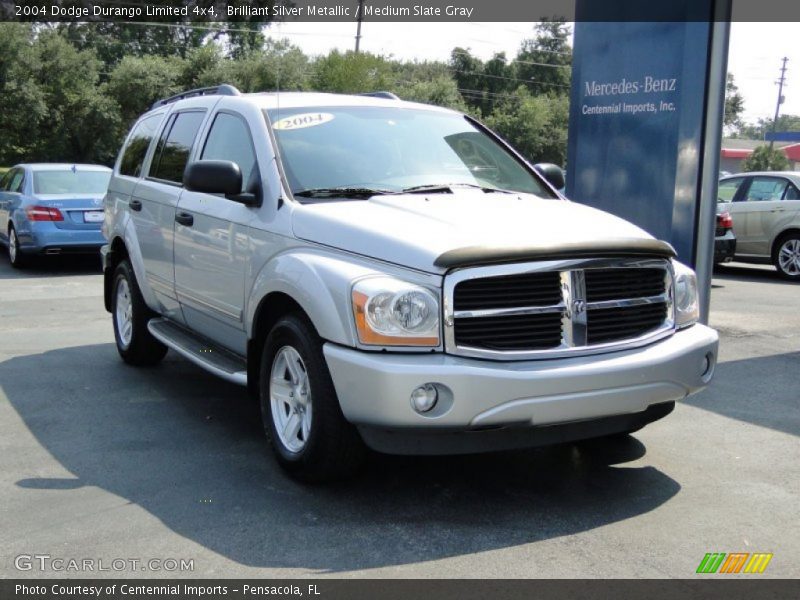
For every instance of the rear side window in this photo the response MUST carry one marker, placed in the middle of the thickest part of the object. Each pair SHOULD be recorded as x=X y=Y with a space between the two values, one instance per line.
x=229 y=139
x=136 y=148
x=15 y=185
x=727 y=189
x=175 y=145
x=5 y=181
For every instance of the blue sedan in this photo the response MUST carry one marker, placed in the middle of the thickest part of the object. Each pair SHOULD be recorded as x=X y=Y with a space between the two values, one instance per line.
x=52 y=208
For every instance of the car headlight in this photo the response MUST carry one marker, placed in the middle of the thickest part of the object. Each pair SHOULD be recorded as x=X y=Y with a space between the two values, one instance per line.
x=390 y=312
x=687 y=308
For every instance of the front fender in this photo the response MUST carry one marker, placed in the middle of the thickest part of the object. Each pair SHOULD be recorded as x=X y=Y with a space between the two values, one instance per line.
x=319 y=282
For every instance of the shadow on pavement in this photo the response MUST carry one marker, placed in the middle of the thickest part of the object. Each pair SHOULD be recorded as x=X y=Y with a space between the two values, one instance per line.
x=763 y=391
x=51 y=266
x=189 y=449
x=749 y=273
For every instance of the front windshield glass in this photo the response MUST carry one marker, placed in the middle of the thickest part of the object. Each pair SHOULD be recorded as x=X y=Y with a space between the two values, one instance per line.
x=70 y=182
x=389 y=149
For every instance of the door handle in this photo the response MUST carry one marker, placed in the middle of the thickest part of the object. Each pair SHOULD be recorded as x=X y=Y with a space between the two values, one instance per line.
x=135 y=205
x=777 y=210
x=185 y=218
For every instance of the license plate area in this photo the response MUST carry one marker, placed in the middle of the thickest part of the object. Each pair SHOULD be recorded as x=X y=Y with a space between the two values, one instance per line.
x=93 y=216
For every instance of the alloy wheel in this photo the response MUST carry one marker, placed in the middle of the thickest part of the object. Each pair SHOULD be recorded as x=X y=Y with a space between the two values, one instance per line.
x=290 y=399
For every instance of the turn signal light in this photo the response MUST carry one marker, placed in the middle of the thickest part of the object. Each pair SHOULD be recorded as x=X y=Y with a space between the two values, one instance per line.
x=43 y=213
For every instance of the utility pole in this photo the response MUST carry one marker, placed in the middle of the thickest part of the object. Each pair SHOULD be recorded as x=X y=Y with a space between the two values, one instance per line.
x=780 y=99
x=359 y=18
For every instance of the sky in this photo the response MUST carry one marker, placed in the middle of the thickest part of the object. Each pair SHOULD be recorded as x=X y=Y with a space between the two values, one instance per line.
x=754 y=55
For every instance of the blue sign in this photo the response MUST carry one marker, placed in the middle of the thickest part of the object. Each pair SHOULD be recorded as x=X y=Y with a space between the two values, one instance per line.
x=637 y=123
x=783 y=136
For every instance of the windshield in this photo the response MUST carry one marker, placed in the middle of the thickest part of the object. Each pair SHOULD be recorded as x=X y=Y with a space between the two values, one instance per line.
x=389 y=149
x=70 y=182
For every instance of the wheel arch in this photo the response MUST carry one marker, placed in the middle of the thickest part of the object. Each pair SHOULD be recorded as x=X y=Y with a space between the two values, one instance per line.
x=117 y=251
x=778 y=238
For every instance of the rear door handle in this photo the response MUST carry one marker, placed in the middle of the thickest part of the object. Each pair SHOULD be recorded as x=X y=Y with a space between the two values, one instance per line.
x=135 y=205
x=185 y=218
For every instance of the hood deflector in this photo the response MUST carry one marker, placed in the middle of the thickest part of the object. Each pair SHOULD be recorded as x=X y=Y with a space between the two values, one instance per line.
x=481 y=255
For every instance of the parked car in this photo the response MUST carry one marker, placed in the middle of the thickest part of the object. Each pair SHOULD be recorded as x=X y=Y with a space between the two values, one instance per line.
x=724 y=239
x=390 y=275
x=50 y=208
x=765 y=208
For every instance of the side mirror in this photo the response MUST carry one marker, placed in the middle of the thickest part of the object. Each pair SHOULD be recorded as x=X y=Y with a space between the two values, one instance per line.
x=552 y=173
x=218 y=177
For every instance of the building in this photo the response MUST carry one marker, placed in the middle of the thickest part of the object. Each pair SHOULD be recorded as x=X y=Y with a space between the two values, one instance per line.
x=734 y=151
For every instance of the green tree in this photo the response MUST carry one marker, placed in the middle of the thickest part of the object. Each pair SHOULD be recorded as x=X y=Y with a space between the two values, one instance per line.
x=277 y=66
x=734 y=104
x=79 y=121
x=534 y=125
x=22 y=101
x=351 y=73
x=137 y=82
x=765 y=159
x=543 y=62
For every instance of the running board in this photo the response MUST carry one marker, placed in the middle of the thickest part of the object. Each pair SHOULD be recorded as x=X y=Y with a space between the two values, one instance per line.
x=202 y=352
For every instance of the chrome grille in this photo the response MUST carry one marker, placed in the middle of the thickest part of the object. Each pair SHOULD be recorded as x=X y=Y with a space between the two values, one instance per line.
x=553 y=308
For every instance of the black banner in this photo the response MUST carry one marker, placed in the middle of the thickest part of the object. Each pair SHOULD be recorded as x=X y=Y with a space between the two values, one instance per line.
x=182 y=11
x=732 y=588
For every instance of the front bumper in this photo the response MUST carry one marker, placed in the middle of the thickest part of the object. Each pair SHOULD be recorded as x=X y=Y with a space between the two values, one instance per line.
x=374 y=388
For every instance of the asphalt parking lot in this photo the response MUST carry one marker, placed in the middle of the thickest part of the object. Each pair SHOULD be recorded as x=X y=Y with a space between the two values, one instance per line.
x=103 y=461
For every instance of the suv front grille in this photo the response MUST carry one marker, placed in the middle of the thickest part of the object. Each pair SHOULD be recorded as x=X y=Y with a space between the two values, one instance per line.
x=556 y=307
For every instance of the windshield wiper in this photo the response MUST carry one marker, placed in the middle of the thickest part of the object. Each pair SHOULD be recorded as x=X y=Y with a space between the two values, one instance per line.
x=448 y=187
x=341 y=192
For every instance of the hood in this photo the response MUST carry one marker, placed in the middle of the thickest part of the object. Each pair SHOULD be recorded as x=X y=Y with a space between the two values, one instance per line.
x=439 y=231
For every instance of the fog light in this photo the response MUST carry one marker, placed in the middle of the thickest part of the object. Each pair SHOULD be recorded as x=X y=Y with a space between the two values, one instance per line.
x=424 y=398
x=707 y=367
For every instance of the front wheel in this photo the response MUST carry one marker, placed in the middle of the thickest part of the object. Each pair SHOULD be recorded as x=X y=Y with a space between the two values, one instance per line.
x=310 y=437
x=135 y=344
x=787 y=257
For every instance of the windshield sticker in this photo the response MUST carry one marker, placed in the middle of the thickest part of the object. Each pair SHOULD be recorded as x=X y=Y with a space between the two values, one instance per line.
x=302 y=121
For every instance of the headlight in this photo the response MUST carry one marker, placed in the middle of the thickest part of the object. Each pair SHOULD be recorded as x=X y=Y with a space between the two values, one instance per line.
x=687 y=309
x=390 y=312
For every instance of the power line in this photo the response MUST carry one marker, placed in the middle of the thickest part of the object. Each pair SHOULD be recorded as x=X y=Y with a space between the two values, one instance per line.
x=525 y=81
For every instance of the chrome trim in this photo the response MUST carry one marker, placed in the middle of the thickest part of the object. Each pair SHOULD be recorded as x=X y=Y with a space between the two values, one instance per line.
x=573 y=306
x=506 y=312
x=186 y=297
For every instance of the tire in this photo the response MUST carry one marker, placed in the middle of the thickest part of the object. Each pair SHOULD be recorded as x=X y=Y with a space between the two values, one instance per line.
x=15 y=256
x=311 y=439
x=130 y=315
x=786 y=257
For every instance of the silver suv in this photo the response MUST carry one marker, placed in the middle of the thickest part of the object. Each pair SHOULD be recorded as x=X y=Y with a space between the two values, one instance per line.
x=389 y=275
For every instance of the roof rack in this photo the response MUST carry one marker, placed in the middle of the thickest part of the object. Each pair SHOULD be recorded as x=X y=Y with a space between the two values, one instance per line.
x=220 y=90
x=386 y=95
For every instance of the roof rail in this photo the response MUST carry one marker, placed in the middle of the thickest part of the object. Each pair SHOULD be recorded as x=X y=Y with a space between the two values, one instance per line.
x=386 y=95
x=220 y=90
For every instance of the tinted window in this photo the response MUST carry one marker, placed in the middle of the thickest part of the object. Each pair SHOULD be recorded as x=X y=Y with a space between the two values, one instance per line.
x=136 y=149
x=173 y=150
x=392 y=149
x=229 y=139
x=5 y=180
x=70 y=182
x=17 y=177
x=766 y=188
x=728 y=188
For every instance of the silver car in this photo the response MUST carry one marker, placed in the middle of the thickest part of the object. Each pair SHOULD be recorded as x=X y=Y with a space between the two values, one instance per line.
x=765 y=207
x=390 y=275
